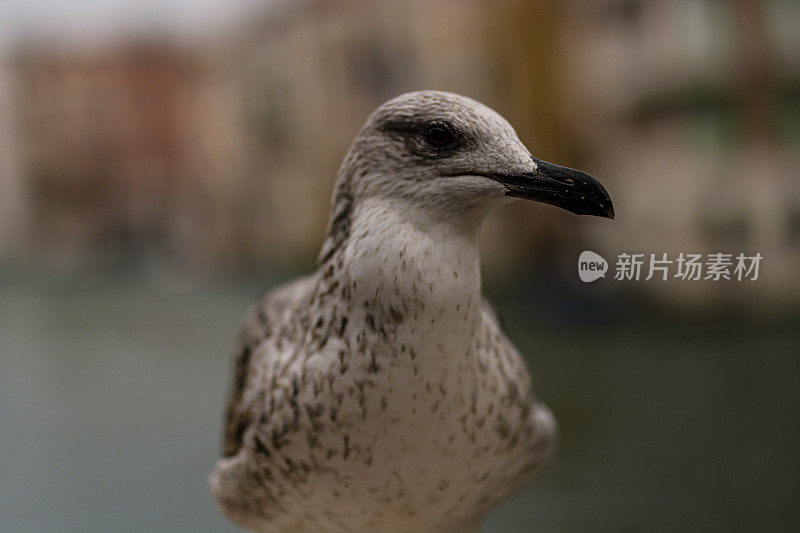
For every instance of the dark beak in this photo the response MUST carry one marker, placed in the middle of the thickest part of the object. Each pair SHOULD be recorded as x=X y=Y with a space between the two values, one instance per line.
x=563 y=187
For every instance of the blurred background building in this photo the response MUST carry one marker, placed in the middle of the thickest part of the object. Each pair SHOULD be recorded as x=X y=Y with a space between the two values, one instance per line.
x=163 y=162
x=220 y=155
x=692 y=109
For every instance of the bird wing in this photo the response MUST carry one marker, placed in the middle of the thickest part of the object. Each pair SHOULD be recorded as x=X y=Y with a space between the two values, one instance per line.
x=500 y=354
x=537 y=430
x=262 y=322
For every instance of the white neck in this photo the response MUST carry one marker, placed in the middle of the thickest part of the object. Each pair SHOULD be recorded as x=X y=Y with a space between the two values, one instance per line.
x=409 y=260
x=418 y=278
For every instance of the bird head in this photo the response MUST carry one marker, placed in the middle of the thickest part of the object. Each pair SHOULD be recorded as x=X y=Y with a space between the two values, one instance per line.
x=433 y=154
x=447 y=150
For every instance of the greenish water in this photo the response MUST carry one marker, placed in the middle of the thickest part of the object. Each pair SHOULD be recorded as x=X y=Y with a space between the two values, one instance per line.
x=111 y=391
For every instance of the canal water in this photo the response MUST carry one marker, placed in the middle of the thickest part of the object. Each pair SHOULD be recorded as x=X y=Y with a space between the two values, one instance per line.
x=111 y=390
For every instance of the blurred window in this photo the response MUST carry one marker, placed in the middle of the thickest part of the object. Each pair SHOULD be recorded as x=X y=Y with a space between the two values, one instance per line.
x=726 y=231
x=267 y=108
x=372 y=67
x=714 y=120
x=793 y=225
x=625 y=13
x=787 y=111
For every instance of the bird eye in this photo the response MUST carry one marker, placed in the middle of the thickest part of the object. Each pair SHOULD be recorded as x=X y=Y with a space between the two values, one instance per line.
x=439 y=136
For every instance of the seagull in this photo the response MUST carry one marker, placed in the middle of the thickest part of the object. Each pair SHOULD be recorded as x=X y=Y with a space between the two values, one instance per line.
x=380 y=393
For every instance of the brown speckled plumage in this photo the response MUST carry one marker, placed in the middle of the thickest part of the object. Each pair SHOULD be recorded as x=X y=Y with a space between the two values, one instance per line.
x=379 y=393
